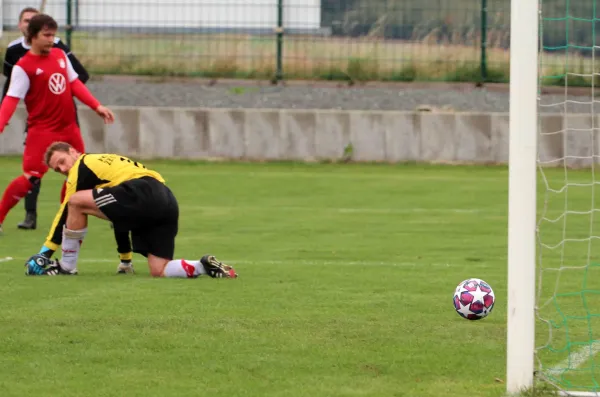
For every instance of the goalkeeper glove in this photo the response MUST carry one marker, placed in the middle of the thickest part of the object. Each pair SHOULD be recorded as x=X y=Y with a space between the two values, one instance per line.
x=40 y=265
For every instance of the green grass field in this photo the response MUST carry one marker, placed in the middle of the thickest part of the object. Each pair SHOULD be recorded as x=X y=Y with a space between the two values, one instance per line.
x=346 y=280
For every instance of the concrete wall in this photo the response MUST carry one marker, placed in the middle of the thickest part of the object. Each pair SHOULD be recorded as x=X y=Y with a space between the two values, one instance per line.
x=258 y=134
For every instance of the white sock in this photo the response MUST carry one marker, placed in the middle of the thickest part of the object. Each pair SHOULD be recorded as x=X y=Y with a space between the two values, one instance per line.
x=71 y=242
x=184 y=268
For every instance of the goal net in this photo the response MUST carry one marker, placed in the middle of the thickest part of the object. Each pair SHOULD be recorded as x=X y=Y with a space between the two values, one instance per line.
x=567 y=277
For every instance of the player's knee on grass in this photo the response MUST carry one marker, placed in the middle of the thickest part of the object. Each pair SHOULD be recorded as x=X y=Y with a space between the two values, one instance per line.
x=157 y=265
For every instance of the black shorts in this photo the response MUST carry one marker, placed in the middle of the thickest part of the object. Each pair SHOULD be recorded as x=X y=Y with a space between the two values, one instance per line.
x=147 y=208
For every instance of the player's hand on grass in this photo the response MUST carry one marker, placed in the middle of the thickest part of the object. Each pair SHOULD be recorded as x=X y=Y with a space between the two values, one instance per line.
x=106 y=114
x=39 y=265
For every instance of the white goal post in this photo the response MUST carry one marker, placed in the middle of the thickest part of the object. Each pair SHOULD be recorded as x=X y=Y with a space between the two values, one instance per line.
x=562 y=294
x=522 y=194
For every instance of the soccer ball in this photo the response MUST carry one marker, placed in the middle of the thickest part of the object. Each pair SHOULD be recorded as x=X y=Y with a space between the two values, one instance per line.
x=474 y=299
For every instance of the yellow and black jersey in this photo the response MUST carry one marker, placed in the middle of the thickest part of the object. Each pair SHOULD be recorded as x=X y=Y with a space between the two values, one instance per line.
x=92 y=171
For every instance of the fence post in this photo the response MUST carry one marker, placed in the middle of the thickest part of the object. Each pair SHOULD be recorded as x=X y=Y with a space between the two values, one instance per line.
x=483 y=60
x=279 y=31
x=69 y=26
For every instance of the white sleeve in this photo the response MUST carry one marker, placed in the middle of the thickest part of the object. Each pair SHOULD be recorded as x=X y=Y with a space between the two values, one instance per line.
x=19 y=83
x=70 y=71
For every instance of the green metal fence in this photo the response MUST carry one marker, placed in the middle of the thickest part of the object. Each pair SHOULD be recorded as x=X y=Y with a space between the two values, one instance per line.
x=285 y=39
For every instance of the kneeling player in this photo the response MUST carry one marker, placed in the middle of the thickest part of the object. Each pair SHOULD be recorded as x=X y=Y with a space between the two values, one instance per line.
x=125 y=192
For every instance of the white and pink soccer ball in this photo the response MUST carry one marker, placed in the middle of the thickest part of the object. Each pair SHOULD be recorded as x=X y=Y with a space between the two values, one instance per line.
x=474 y=299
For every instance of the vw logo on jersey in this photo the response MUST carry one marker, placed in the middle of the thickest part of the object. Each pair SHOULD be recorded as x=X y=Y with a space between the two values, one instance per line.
x=57 y=83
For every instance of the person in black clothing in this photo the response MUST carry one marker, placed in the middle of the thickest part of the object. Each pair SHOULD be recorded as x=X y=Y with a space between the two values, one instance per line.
x=16 y=49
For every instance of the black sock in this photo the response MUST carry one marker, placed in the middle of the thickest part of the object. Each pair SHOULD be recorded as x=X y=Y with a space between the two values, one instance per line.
x=32 y=197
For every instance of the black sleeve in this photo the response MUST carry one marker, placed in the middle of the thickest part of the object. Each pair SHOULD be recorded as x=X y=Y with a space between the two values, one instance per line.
x=79 y=69
x=6 y=84
x=7 y=70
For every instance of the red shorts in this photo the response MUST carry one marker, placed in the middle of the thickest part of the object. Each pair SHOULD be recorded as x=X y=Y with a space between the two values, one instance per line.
x=37 y=142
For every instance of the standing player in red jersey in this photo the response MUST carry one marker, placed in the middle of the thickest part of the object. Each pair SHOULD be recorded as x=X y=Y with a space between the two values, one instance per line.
x=15 y=51
x=46 y=80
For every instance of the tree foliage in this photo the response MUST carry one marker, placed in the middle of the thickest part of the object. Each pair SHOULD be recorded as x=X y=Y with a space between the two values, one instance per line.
x=459 y=21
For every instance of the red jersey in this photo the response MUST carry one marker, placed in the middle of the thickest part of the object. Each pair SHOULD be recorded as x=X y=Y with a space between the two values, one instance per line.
x=44 y=81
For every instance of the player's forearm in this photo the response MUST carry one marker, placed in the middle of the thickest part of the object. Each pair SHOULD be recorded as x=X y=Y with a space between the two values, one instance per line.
x=54 y=238
x=7 y=109
x=49 y=248
x=81 y=92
